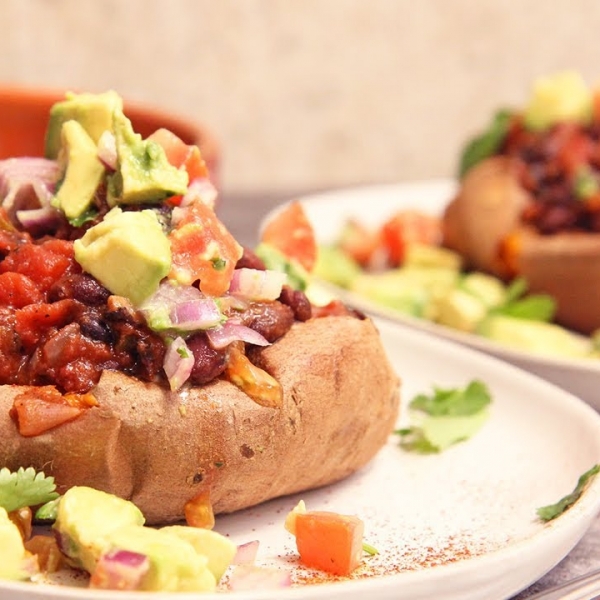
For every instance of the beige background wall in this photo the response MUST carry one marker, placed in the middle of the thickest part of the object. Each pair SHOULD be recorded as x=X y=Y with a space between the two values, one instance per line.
x=308 y=94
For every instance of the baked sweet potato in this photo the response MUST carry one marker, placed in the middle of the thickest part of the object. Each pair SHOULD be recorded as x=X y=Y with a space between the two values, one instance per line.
x=484 y=224
x=161 y=449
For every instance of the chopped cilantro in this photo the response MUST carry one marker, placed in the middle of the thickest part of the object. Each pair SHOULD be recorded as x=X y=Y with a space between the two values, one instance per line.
x=218 y=263
x=25 y=487
x=547 y=513
x=183 y=351
x=445 y=417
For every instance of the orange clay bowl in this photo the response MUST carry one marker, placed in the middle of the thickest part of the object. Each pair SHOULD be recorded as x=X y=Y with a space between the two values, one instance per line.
x=24 y=114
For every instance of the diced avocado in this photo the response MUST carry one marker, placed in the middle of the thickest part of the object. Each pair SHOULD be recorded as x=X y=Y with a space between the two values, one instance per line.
x=460 y=309
x=127 y=252
x=144 y=175
x=335 y=266
x=94 y=112
x=218 y=549
x=175 y=565
x=274 y=259
x=83 y=170
x=560 y=97
x=412 y=290
x=86 y=517
x=490 y=290
x=12 y=551
x=537 y=337
x=426 y=255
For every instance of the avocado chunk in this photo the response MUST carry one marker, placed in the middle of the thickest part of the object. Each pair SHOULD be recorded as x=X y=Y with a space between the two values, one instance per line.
x=411 y=290
x=175 y=565
x=144 y=175
x=561 y=97
x=460 y=310
x=427 y=255
x=538 y=337
x=275 y=260
x=490 y=290
x=127 y=252
x=94 y=112
x=83 y=170
x=218 y=549
x=335 y=266
x=13 y=555
x=85 y=518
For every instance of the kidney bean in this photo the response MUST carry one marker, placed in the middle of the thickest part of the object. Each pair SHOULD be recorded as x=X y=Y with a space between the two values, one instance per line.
x=208 y=362
x=297 y=301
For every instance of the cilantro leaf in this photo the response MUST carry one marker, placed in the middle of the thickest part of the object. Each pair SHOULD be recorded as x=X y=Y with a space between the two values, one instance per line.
x=487 y=143
x=455 y=401
x=25 y=487
x=445 y=417
x=547 y=513
x=535 y=307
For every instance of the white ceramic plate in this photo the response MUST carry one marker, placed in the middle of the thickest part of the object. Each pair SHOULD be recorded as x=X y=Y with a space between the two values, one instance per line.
x=372 y=205
x=462 y=522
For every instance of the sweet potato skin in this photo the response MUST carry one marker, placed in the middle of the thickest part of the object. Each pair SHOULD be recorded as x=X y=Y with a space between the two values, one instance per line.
x=161 y=449
x=486 y=209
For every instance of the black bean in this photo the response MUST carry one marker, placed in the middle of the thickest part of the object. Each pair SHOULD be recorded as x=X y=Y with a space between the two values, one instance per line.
x=93 y=327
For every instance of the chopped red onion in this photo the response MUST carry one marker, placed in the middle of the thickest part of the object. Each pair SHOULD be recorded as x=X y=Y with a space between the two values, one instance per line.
x=107 y=150
x=246 y=553
x=120 y=570
x=178 y=363
x=250 y=577
x=27 y=182
x=181 y=307
x=200 y=189
x=40 y=220
x=233 y=331
x=256 y=284
x=191 y=315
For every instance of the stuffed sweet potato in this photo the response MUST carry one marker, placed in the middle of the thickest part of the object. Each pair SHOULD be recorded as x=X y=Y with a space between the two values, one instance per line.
x=528 y=202
x=145 y=353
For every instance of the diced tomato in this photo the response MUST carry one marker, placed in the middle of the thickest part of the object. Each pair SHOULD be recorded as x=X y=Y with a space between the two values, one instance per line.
x=359 y=242
x=406 y=227
x=291 y=233
x=329 y=541
x=17 y=290
x=203 y=249
x=575 y=150
x=199 y=511
x=40 y=409
x=33 y=321
x=180 y=154
x=43 y=263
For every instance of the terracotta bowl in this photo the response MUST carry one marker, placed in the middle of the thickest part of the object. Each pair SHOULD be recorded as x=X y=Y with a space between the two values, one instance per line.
x=24 y=116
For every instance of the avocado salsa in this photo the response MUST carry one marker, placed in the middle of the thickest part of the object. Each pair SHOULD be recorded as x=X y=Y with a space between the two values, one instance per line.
x=112 y=257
